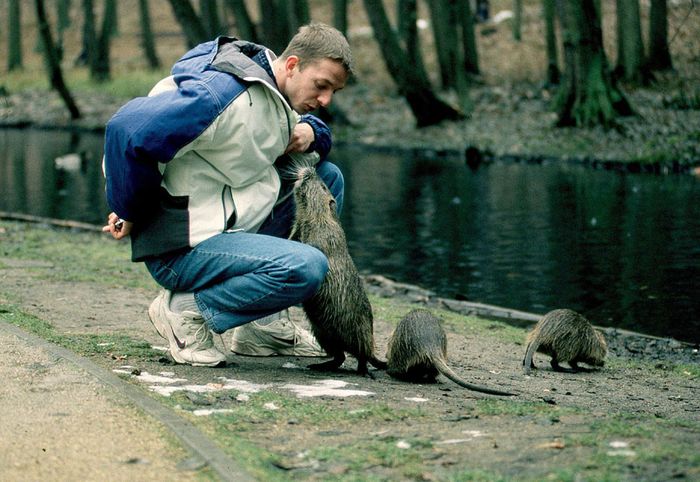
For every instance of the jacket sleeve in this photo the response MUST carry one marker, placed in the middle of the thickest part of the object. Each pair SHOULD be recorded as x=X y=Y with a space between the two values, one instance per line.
x=147 y=131
x=322 y=142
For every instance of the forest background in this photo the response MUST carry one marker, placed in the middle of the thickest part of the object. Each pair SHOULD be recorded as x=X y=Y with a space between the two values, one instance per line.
x=501 y=99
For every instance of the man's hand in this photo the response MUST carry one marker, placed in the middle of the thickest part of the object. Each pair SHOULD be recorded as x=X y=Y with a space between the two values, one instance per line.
x=117 y=227
x=301 y=139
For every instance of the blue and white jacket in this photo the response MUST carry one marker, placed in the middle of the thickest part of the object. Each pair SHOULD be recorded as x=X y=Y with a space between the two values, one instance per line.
x=196 y=157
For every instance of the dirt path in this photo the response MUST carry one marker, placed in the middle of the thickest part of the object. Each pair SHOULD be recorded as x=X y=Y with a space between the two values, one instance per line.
x=550 y=423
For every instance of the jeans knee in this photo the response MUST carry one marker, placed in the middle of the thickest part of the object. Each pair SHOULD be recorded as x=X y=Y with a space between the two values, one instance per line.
x=316 y=267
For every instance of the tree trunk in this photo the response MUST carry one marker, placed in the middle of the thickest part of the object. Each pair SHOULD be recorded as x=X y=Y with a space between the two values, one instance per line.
x=445 y=41
x=298 y=15
x=659 y=55
x=100 y=70
x=147 y=42
x=52 y=64
x=89 y=51
x=630 y=55
x=14 y=35
x=407 y=16
x=589 y=96
x=548 y=12
x=62 y=24
x=244 y=24
x=414 y=87
x=455 y=26
x=471 y=55
x=191 y=25
x=517 y=20
x=340 y=16
x=112 y=21
x=210 y=18
x=63 y=14
x=275 y=27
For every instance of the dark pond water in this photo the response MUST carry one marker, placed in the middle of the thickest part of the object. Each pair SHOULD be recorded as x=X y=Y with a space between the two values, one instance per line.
x=622 y=249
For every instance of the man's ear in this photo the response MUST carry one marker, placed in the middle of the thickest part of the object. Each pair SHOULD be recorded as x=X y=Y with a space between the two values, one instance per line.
x=291 y=62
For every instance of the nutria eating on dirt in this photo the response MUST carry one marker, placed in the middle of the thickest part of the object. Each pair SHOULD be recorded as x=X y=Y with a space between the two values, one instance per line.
x=339 y=313
x=567 y=337
x=418 y=352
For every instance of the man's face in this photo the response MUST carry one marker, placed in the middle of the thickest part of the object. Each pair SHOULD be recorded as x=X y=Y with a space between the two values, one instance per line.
x=314 y=86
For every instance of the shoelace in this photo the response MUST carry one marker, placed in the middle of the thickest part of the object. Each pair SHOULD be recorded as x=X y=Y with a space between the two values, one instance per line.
x=202 y=336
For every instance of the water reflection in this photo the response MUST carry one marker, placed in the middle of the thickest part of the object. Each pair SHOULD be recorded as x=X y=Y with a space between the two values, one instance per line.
x=622 y=249
x=31 y=181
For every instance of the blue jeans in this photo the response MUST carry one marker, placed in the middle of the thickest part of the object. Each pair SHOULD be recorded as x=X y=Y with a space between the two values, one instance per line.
x=240 y=277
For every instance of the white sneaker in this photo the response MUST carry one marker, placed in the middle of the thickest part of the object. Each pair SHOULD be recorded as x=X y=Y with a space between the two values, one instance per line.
x=280 y=337
x=189 y=338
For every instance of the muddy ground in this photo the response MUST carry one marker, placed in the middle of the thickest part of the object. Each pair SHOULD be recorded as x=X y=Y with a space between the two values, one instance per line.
x=546 y=428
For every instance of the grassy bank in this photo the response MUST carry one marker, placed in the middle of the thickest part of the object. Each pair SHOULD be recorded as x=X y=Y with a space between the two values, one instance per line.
x=632 y=420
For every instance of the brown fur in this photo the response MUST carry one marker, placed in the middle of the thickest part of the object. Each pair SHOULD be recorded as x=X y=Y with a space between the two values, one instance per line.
x=567 y=337
x=340 y=313
x=418 y=352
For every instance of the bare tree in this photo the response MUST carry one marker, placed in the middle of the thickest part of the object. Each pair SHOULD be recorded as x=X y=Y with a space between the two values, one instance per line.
x=298 y=14
x=275 y=23
x=210 y=18
x=100 y=68
x=471 y=56
x=147 y=42
x=244 y=23
x=96 y=44
x=446 y=44
x=407 y=15
x=659 y=57
x=630 y=51
x=52 y=63
x=192 y=26
x=588 y=96
x=427 y=108
x=14 y=35
x=63 y=23
x=549 y=14
x=517 y=20
x=340 y=16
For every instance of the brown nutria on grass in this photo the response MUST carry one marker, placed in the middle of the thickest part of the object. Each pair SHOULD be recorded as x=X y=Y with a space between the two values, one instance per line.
x=418 y=352
x=339 y=313
x=567 y=337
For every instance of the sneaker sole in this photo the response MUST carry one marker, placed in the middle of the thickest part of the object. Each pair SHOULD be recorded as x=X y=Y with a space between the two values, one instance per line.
x=246 y=349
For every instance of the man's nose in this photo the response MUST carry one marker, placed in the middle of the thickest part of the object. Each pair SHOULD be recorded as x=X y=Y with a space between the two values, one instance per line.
x=325 y=99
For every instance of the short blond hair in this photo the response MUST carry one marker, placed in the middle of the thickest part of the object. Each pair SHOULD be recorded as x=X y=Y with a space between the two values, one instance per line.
x=318 y=41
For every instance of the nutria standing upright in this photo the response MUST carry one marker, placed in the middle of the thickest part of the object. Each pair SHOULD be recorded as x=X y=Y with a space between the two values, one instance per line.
x=339 y=313
x=418 y=352
x=567 y=337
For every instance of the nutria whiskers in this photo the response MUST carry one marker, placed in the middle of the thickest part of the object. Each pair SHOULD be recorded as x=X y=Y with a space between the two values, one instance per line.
x=567 y=337
x=418 y=352
x=339 y=313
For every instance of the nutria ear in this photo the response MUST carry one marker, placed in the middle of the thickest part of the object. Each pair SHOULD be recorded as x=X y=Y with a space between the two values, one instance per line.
x=333 y=205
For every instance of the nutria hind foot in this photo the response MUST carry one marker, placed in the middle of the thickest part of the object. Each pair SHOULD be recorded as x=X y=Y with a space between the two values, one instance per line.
x=363 y=370
x=574 y=368
x=378 y=364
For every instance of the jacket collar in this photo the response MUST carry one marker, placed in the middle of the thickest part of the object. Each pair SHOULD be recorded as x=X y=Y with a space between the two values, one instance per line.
x=246 y=60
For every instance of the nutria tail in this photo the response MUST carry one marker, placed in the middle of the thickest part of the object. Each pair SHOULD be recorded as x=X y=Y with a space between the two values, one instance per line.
x=532 y=347
x=443 y=368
